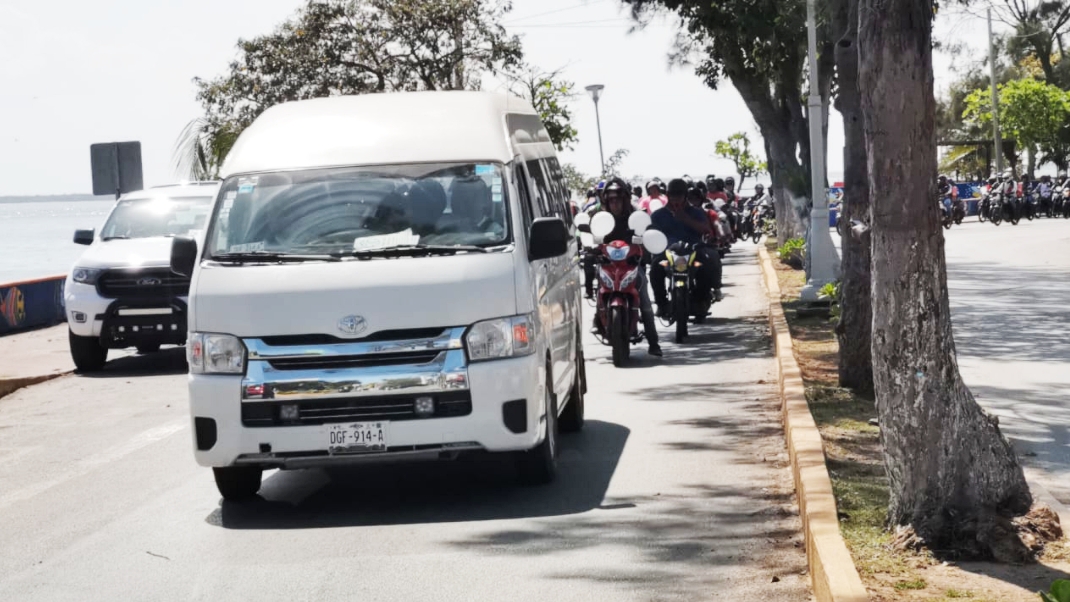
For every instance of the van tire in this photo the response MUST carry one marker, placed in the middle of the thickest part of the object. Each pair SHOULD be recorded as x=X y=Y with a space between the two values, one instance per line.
x=87 y=352
x=571 y=420
x=237 y=483
x=538 y=466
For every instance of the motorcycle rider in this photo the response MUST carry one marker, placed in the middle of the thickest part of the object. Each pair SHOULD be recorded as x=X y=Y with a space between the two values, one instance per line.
x=680 y=222
x=1044 y=192
x=947 y=190
x=653 y=192
x=615 y=199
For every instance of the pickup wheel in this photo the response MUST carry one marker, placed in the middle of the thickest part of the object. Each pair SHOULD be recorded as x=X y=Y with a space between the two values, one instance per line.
x=87 y=352
x=538 y=466
x=237 y=483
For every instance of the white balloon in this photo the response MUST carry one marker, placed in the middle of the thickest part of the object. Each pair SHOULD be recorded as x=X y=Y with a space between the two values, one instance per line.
x=638 y=222
x=655 y=241
x=602 y=224
x=583 y=219
x=586 y=240
x=656 y=204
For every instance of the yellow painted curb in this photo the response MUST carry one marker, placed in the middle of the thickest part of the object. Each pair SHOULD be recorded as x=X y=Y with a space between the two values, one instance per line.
x=832 y=572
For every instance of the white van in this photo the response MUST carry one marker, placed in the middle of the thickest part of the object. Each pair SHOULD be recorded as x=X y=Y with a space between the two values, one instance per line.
x=385 y=276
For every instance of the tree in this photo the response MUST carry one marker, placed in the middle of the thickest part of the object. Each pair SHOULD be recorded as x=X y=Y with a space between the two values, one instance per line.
x=737 y=150
x=1031 y=112
x=577 y=181
x=550 y=95
x=854 y=330
x=613 y=164
x=334 y=47
x=1038 y=33
x=198 y=154
x=953 y=477
x=760 y=47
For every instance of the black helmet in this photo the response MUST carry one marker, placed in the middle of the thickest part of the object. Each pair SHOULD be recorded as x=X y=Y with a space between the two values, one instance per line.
x=700 y=185
x=710 y=178
x=678 y=187
x=729 y=180
x=591 y=193
x=619 y=186
x=759 y=187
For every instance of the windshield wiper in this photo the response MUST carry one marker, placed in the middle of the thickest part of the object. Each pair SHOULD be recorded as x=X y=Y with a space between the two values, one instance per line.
x=270 y=257
x=412 y=251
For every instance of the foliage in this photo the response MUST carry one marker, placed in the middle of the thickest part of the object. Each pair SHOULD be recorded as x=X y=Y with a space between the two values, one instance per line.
x=334 y=47
x=831 y=292
x=1059 y=592
x=791 y=252
x=1039 y=26
x=737 y=150
x=1031 y=112
x=199 y=154
x=550 y=95
x=613 y=163
x=577 y=181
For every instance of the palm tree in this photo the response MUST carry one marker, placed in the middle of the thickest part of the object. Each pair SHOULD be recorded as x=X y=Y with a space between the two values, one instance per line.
x=201 y=148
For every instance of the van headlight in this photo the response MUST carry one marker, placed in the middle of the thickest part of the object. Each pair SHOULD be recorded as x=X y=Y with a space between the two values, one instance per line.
x=501 y=338
x=86 y=275
x=215 y=354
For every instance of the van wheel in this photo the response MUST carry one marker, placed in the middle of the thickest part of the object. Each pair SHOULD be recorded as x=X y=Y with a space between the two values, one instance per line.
x=87 y=352
x=572 y=418
x=538 y=466
x=236 y=483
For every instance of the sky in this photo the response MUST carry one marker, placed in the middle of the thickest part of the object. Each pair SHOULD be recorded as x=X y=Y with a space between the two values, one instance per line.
x=78 y=73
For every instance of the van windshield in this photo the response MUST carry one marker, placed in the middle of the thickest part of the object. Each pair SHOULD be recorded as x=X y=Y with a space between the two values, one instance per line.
x=160 y=216
x=345 y=209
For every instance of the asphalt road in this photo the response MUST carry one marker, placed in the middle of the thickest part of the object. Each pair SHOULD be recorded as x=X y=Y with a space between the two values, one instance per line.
x=678 y=489
x=1010 y=306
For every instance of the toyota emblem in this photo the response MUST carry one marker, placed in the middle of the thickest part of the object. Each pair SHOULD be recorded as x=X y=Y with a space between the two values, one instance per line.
x=352 y=325
x=149 y=282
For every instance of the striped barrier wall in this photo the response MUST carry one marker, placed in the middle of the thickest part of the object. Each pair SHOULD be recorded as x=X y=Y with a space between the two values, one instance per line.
x=31 y=304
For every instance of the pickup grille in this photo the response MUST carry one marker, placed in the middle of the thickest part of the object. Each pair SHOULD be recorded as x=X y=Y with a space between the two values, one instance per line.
x=159 y=283
x=394 y=407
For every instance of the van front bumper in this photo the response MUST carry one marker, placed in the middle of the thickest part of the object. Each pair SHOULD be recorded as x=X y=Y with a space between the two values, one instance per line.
x=506 y=415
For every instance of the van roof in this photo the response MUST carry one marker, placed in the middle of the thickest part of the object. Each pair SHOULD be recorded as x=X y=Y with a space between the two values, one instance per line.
x=379 y=129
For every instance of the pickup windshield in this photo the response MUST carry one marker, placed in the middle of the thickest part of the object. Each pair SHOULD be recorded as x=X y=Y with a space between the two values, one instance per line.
x=362 y=211
x=160 y=216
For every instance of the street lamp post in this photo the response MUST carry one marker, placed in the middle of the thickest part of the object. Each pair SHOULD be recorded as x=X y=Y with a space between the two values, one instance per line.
x=595 y=90
x=824 y=262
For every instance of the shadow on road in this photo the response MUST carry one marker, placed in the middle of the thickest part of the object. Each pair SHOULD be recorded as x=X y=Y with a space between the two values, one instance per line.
x=170 y=360
x=715 y=340
x=475 y=488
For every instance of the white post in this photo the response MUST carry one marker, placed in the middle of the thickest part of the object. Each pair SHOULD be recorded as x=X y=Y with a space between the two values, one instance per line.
x=595 y=90
x=824 y=262
x=998 y=145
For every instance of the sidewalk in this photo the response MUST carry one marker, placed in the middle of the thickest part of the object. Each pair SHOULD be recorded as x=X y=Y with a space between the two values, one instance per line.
x=32 y=357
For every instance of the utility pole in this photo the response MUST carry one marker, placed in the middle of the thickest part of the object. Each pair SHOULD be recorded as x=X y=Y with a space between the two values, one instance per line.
x=995 y=97
x=824 y=262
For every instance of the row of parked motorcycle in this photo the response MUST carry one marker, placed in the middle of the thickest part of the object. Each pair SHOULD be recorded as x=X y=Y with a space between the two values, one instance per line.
x=1007 y=201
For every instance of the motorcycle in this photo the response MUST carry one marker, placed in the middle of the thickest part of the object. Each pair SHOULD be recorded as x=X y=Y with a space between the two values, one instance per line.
x=1057 y=200
x=764 y=223
x=1009 y=208
x=686 y=298
x=1028 y=205
x=618 y=265
x=985 y=207
x=945 y=213
x=958 y=211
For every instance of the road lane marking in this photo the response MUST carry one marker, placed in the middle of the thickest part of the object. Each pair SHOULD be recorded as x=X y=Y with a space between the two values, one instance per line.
x=90 y=463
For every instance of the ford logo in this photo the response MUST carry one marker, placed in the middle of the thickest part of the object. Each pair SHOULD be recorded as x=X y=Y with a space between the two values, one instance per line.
x=149 y=282
x=352 y=324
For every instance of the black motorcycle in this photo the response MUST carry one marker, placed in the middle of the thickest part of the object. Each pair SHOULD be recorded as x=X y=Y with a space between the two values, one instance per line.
x=1010 y=209
x=686 y=298
x=984 y=209
x=1029 y=206
x=958 y=211
x=1057 y=201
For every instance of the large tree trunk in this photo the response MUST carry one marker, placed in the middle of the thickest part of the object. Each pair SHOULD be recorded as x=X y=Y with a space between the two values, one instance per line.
x=953 y=476
x=853 y=331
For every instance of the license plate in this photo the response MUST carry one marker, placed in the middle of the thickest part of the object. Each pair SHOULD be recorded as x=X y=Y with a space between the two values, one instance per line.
x=357 y=438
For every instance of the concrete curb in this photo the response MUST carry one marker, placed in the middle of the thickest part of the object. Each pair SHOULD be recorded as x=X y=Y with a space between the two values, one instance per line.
x=10 y=385
x=833 y=575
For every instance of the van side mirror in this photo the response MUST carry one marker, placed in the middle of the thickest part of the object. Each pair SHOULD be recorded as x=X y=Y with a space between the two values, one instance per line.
x=183 y=255
x=84 y=237
x=549 y=238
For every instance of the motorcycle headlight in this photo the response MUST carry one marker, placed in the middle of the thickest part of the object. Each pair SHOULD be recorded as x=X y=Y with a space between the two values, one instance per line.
x=606 y=279
x=629 y=278
x=86 y=275
x=501 y=338
x=215 y=354
x=617 y=253
x=680 y=263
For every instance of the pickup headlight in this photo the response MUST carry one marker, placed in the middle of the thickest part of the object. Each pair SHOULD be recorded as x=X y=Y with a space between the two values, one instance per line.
x=86 y=275
x=215 y=354
x=501 y=338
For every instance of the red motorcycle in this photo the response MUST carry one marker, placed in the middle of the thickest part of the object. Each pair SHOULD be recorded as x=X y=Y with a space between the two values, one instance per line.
x=618 y=266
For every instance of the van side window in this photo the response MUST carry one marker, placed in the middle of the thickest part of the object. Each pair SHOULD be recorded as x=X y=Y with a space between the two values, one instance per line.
x=526 y=205
x=556 y=178
x=541 y=195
